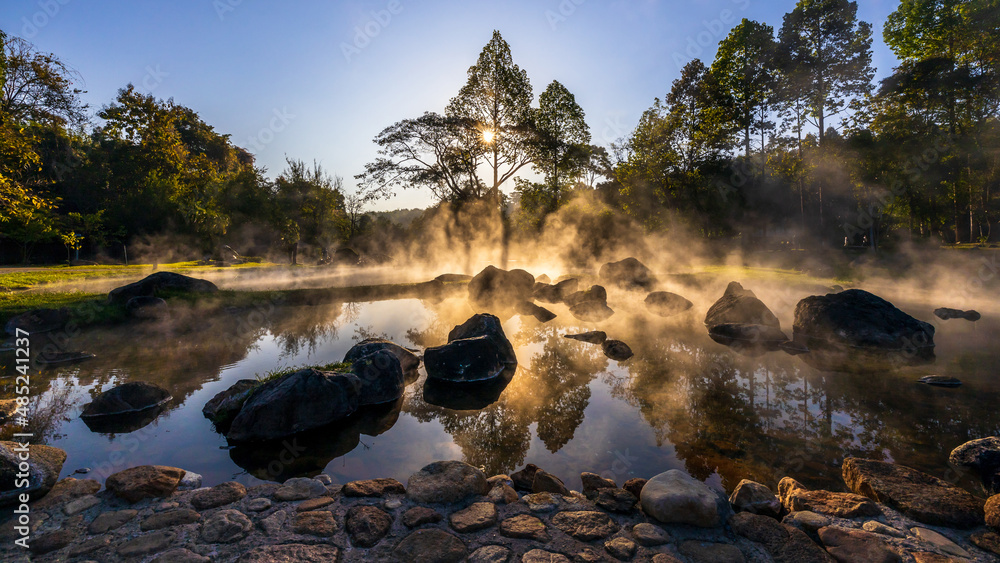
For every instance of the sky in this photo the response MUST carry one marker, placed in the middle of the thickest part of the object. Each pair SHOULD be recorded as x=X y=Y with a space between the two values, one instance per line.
x=317 y=80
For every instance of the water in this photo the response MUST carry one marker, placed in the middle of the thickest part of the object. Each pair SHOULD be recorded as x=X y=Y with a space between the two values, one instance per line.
x=683 y=402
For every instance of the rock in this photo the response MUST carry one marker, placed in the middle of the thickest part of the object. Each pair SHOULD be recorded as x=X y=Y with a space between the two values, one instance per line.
x=478 y=516
x=144 y=481
x=259 y=505
x=753 y=497
x=876 y=527
x=616 y=500
x=593 y=337
x=498 y=290
x=146 y=307
x=749 y=339
x=786 y=544
x=945 y=314
x=477 y=350
x=66 y=490
x=649 y=535
x=225 y=526
x=299 y=401
x=430 y=546
x=299 y=488
x=856 y=331
x=367 y=525
x=153 y=542
x=666 y=304
x=634 y=486
x=52 y=541
x=454 y=278
x=107 y=521
x=591 y=311
x=741 y=307
x=929 y=557
x=986 y=541
x=223 y=407
x=545 y=482
x=89 y=546
x=616 y=350
x=585 y=525
x=664 y=558
x=38 y=321
x=169 y=519
x=374 y=488
x=851 y=546
x=808 y=522
x=79 y=505
x=940 y=542
x=127 y=398
x=524 y=526
x=795 y=498
x=291 y=553
x=189 y=482
x=595 y=294
x=622 y=549
x=918 y=495
x=408 y=361
x=381 y=376
x=708 y=552
x=674 y=497
x=446 y=482
x=420 y=515
x=529 y=309
x=992 y=510
x=490 y=554
x=525 y=478
x=315 y=523
x=8 y=408
x=940 y=381
x=180 y=555
x=273 y=524
x=219 y=495
x=567 y=287
x=157 y=283
x=313 y=504
x=542 y=556
x=592 y=482
x=628 y=273
x=502 y=493
x=541 y=502
x=983 y=457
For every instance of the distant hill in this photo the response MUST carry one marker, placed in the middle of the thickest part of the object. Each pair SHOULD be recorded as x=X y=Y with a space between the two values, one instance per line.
x=401 y=217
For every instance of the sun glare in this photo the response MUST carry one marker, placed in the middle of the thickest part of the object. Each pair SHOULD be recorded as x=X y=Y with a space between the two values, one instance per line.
x=488 y=136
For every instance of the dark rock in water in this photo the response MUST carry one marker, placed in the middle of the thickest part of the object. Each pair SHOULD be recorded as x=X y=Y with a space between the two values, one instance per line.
x=593 y=337
x=749 y=339
x=793 y=348
x=545 y=482
x=38 y=321
x=158 y=282
x=294 y=403
x=543 y=279
x=381 y=378
x=836 y=288
x=627 y=273
x=525 y=478
x=596 y=294
x=591 y=311
x=477 y=350
x=473 y=396
x=945 y=313
x=529 y=309
x=567 y=287
x=485 y=325
x=44 y=465
x=146 y=307
x=224 y=406
x=345 y=257
x=666 y=304
x=453 y=278
x=127 y=398
x=408 y=361
x=499 y=290
x=546 y=293
x=857 y=331
x=983 y=457
x=616 y=350
x=940 y=381
x=740 y=306
x=60 y=358
x=123 y=423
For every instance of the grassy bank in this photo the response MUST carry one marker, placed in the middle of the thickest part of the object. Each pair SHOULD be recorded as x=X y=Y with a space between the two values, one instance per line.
x=33 y=277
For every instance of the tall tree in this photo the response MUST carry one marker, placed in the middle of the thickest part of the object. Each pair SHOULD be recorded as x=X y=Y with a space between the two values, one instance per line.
x=563 y=137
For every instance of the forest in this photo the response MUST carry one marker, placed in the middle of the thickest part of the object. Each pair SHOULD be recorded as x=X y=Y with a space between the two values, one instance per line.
x=784 y=140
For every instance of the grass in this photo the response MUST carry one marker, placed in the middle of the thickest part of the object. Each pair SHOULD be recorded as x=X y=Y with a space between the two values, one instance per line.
x=763 y=274
x=34 y=276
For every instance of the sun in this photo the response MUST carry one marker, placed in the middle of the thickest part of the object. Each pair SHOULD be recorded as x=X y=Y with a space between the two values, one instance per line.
x=488 y=136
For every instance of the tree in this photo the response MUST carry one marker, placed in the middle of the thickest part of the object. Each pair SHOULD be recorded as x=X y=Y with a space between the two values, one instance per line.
x=744 y=70
x=36 y=86
x=313 y=201
x=562 y=142
x=496 y=102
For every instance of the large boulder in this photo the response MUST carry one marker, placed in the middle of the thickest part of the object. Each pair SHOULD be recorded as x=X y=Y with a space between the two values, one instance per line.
x=857 y=331
x=916 y=494
x=674 y=497
x=158 y=282
x=127 y=398
x=983 y=457
x=446 y=482
x=628 y=273
x=37 y=321
x=477 y=350
x=296 y=402
x=666 y=304
x=225 y=405
x=992 y=509
x=381 y=376
x=145 y=481
x=498 y=290
x=44 y=465
x=742 y=321
x=408 y=361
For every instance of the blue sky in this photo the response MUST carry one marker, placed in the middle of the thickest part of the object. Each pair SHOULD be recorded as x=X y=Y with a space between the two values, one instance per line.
x=318 y=80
